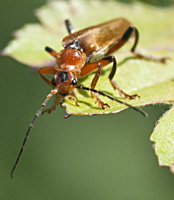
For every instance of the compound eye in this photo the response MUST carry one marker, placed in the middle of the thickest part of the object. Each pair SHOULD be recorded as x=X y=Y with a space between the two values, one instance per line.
x=74 y=82
x=53 y=82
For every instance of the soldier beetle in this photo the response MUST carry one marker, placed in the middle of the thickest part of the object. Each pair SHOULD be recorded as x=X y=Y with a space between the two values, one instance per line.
x=84 y=52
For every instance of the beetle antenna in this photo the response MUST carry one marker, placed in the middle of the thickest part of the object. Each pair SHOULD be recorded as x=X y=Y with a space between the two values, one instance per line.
x=54 y=91
x=113 y=99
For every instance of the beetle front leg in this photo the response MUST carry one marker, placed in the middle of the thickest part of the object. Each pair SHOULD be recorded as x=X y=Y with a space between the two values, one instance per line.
x=47 y=70
x=56 y=103
x=71 y=97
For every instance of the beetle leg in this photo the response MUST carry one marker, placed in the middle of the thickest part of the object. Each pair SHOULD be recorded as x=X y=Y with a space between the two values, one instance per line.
x=47 y=70
x=87 y=69
x=71 y=97
x=69 y=26
x=95 y=79
x=128 y=33
x=90 y=67
x=133 y=29
x=138 y=55
x=145 y=57
x=93 y=84
x=51 y=51
x=124 y=39
x=113 y=83
x=56 y=103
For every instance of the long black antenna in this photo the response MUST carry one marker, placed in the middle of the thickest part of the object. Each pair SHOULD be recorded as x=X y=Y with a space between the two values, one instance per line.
x=113 y=99
x=54 y=91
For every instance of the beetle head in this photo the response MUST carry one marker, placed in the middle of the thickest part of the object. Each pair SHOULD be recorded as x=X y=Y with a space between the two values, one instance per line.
x=65 y=82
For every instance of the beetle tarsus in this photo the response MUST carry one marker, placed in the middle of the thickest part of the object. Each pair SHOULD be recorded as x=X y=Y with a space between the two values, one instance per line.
x=71 y=97
x=56 y=103
x=151 y=58
x=100 y=103
x=121 y=92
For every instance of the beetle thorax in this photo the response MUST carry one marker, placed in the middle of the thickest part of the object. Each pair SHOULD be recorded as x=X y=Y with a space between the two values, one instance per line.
x=71 y=60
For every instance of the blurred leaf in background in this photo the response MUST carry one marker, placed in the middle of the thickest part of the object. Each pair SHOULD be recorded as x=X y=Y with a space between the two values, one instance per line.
x=152 y=81
x=103 y=157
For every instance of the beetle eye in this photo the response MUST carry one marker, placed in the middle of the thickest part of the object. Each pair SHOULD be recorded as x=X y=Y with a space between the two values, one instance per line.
x=53 y=82
x=74 y=82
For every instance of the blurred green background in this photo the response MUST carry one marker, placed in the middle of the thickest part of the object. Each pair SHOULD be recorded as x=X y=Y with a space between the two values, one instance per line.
x=101 y=157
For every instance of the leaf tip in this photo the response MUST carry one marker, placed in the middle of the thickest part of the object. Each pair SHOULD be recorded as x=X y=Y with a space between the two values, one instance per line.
x=67 y=115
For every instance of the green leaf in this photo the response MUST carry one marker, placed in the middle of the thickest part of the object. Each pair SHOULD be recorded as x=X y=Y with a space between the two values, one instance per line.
x=151 y=80
x=28 y=46
x=163 y=136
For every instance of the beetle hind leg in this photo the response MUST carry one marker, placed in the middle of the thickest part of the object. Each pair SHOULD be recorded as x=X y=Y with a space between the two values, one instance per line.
x=151 y=58
x=126 y=36
x=139 y=55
